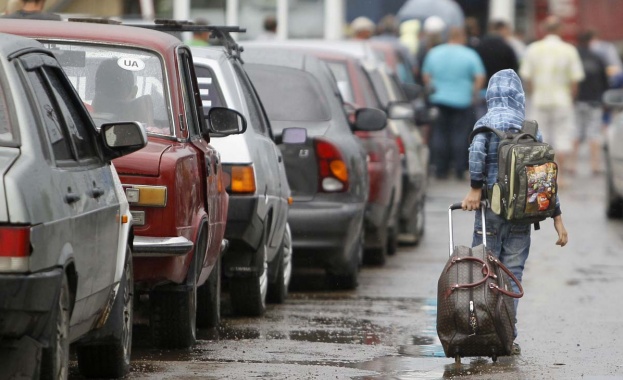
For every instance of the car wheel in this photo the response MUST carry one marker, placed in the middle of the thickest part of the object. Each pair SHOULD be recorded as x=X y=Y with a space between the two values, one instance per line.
x=248 y=294
x=209 y=299
x=173 y=313
x=614 y=203
x=55 y=358
x=415 y=226
x=278 y=291
x=392 y=241
x=111 y=359
x=350 y=279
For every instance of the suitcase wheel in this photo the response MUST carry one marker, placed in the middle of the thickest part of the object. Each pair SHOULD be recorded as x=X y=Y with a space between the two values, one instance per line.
x=494 y=358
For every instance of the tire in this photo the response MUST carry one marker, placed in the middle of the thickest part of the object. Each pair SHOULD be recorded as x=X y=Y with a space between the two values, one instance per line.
x=614 y=203
x=278 y=291
x=173 y=313
x=111 y=358
x=415 y=226
x=248 y=294
x=55 y=359
x=392 y=241
x=209 y=299
x=350 y=279
x=378 y=256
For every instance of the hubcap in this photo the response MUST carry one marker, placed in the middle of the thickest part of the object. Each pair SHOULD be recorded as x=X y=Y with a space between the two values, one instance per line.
x=287 y=258
x=61 y=337
x=128 y=296
x=263 y=279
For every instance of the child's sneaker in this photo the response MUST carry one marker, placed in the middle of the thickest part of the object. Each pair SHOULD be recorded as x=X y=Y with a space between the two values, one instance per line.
x=516 y=350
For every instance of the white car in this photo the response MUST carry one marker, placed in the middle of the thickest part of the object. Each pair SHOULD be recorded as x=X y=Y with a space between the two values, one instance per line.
x=258 y=264
x=65 y=226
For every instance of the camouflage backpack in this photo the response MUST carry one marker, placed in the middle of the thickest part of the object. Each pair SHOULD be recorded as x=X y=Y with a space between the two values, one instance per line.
x=525 y=191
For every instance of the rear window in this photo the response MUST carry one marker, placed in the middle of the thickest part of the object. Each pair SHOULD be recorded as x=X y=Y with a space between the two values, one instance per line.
x=289 y=94
x=6 y=133
x=118 y=83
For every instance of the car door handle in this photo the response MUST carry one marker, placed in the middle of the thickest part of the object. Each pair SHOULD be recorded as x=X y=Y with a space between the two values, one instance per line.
x=71 y=198
x=279 y=158
x=97 y=192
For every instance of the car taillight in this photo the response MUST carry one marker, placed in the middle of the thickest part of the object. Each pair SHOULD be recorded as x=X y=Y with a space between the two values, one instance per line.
x=332 y=170
x=401 y=145
x=242 y=179
x=14 y=249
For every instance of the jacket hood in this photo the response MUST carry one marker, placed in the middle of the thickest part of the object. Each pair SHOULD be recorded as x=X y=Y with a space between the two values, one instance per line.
x=506 y=102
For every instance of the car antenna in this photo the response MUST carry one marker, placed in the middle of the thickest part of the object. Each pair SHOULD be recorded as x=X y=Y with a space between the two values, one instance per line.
x=221 y=33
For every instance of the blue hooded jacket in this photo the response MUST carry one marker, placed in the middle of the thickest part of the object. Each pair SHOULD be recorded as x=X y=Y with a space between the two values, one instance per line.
x=506 y=110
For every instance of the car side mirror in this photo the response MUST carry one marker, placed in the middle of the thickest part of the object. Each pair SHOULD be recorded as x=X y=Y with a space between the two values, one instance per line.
x=294 y=136
x=400 y=111
x=225 y=121
x=613 y=98
x=369 y=120
x=122 y=138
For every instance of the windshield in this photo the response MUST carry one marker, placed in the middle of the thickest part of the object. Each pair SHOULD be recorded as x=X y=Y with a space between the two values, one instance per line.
x=117 y=84
x=289 y=94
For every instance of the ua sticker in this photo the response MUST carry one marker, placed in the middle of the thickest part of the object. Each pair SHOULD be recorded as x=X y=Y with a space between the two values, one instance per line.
x=132 y=64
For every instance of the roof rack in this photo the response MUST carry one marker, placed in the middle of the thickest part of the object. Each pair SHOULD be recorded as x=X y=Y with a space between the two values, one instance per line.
x=221 y=33
x=94 y=20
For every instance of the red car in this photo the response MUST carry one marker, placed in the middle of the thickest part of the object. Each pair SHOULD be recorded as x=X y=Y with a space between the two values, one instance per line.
x=174 y=185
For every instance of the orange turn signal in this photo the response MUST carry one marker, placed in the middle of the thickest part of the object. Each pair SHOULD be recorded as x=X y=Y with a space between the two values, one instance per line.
x=242 y=179
x=339 y=170
x=290 y=200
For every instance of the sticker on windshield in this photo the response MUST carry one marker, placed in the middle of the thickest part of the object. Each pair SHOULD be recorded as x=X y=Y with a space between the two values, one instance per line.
x=132 y=64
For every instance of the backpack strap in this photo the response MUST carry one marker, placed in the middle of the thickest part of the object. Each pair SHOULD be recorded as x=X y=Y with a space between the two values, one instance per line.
x=484 y=129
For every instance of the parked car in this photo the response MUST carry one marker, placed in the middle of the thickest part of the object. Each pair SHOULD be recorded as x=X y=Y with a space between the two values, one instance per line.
x=174 y=185
x=258 y=261
x=401 y=116
x=327 y=172
x=415 y=170
x=65 y=225
x=384 y=149
x=613 y=156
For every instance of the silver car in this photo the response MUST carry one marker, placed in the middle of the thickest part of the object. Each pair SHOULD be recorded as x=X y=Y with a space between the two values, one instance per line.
x=65 y=226
x=258 y=264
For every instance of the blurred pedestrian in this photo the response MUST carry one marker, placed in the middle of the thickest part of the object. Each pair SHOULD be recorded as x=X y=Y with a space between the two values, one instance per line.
x=472 y=30
x=607 y=52
x=270 y=29
x=496 y=55
x=362 y=28
x=504 y=29
x=552 y=70
x=200 y=38
x=589 y=110
x=433 y=31
x=387 y=30
x=33 y=9
x=456 y=75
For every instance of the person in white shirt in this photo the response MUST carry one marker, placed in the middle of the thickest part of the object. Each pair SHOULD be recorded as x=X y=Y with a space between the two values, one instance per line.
x=552 y=70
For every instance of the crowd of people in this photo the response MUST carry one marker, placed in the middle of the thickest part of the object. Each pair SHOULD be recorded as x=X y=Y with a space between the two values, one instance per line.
x=564 y=83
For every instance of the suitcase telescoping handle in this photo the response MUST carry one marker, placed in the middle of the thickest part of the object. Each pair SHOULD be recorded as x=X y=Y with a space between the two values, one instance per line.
x=458 y=206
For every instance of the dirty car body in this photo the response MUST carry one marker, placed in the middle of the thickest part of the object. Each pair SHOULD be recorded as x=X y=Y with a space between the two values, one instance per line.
x=174 y=185
x=65 y=225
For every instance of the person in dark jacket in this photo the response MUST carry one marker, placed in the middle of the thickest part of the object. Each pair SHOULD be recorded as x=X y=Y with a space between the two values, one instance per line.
x=496 y=54
x=33 y=9
x=510 y=242
x=588 y=109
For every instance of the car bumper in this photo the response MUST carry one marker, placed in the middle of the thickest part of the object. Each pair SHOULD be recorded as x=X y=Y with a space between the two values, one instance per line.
x=147 y=246
x=324 y=234
x=26 y=303
x=244 y=225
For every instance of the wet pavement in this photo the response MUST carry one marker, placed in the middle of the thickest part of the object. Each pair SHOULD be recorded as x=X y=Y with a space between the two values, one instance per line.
x=570 y=324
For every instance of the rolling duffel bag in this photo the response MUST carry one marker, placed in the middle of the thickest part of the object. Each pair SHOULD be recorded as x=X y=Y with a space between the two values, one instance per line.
x=475 y=306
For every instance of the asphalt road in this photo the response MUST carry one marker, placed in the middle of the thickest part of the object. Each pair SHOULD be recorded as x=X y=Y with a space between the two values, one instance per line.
x=570 y=324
